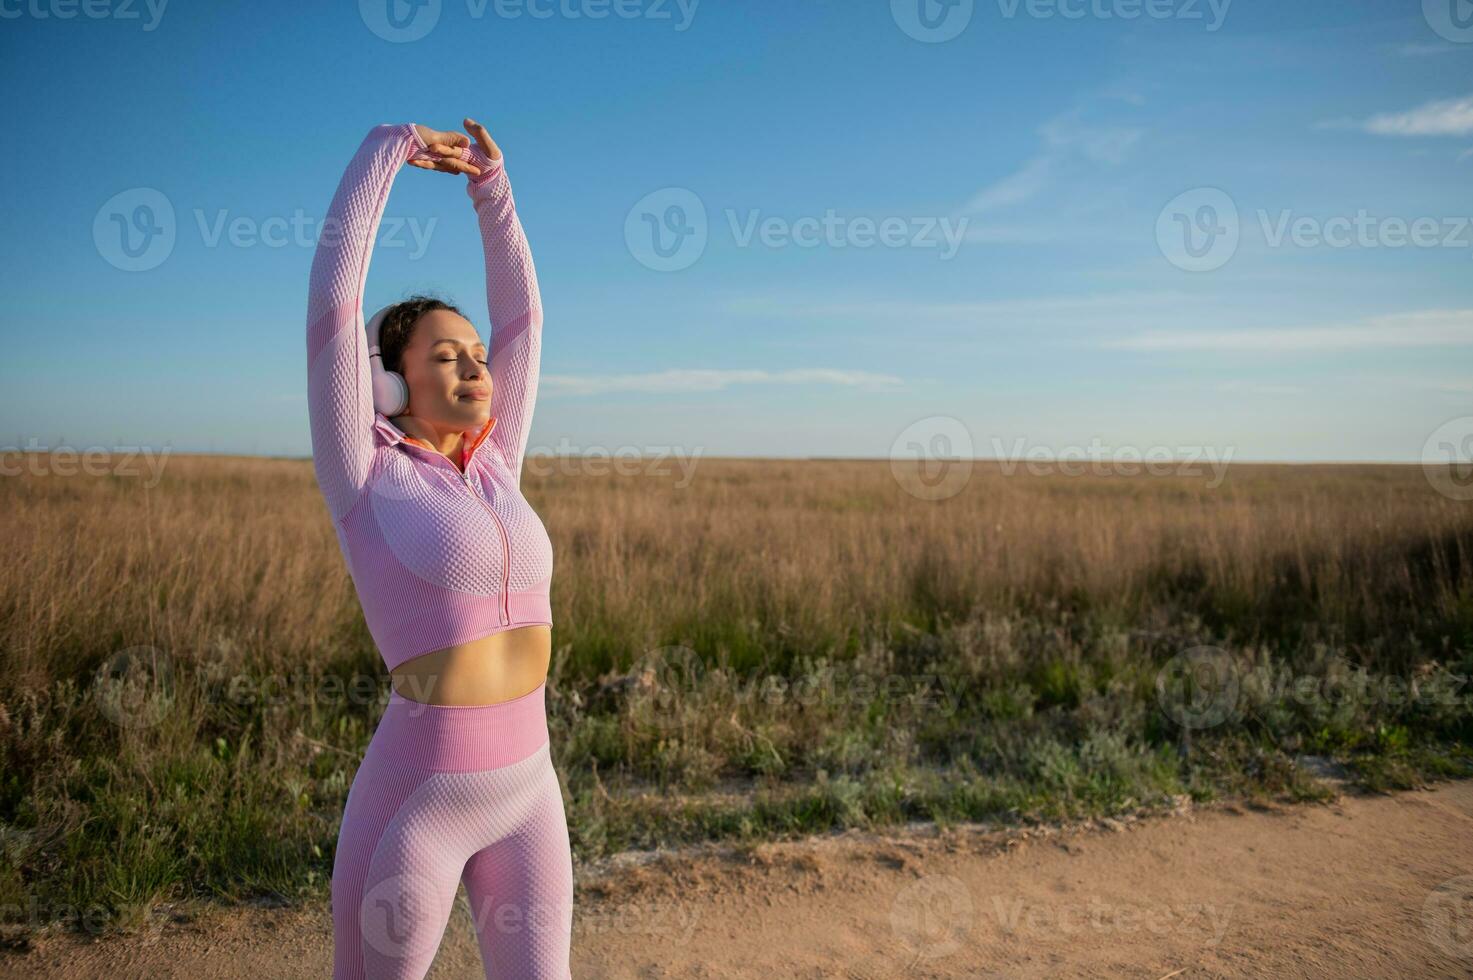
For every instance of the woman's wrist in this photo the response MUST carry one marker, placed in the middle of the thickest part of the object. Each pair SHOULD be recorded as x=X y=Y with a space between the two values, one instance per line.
x=477 y=158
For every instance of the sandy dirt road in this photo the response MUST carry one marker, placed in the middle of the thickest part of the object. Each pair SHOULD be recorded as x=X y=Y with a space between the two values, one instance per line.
x=1366 y=886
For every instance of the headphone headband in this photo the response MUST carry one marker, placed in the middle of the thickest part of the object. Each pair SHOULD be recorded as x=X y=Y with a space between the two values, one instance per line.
x=373 y=325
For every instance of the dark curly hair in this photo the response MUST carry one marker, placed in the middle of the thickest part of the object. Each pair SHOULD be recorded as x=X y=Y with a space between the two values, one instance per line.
x=398 y=326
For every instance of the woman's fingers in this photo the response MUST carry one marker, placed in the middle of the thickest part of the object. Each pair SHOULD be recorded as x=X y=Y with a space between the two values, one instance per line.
x=449 y=136
x=451 y=165
x=447 y=155
x=456 y=165
x=483 y=138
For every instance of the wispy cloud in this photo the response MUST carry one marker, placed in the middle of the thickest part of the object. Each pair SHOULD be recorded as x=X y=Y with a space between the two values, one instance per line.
x=1422 y=328
x=698 y=379
x=1242 y=387
x=913 y=311
x=1014 y=188
x=1067 y=141
x=1446 y=117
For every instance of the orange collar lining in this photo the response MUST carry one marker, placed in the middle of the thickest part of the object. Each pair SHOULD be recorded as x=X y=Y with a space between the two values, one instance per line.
x=465 y=451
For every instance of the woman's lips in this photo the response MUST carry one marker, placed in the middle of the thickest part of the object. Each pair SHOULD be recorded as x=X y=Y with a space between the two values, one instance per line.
x=480 y=395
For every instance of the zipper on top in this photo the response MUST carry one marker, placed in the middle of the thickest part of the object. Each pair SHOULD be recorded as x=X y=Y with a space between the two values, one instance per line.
x=506 y=546
x=505 y=539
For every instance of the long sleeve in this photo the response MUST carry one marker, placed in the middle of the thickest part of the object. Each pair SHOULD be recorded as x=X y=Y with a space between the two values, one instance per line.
x=339 y=385
x=514 y=304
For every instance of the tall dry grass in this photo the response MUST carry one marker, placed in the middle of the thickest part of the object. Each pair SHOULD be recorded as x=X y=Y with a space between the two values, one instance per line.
x=235 y=558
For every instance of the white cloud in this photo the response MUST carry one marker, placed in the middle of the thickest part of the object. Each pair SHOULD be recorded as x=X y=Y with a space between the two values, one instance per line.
x=1066 y=142
x=1423 y=328
x=699 y=379
x=1447 y=117
x=1015 y=188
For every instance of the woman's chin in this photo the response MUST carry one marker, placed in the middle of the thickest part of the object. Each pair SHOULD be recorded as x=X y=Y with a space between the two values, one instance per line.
x=472 y=414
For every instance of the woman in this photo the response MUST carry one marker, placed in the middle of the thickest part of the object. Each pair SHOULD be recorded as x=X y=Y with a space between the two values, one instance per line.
x=452 y=567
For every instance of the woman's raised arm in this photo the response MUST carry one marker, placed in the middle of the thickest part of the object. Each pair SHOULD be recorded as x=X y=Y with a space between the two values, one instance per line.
x=512 y=299
x=339 y=385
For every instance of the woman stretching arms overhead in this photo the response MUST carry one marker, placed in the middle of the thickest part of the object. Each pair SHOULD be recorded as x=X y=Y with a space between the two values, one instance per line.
x=452 y=568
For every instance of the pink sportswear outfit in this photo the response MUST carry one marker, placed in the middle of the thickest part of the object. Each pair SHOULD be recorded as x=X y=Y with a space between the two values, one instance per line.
x=439 y=554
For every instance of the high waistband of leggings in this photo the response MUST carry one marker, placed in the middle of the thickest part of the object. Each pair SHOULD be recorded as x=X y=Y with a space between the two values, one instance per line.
x=463 y=738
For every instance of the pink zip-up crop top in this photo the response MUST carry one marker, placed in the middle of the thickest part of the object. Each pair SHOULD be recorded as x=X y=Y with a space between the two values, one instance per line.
x=439 y=554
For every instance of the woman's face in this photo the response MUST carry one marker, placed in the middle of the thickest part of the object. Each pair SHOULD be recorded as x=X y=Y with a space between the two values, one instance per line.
x=444 y=365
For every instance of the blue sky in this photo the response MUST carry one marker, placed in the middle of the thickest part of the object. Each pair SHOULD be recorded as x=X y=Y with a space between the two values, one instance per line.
x=1174 y=223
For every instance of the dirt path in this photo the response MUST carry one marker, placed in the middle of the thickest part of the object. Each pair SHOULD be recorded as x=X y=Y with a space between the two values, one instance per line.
x=1361 y=887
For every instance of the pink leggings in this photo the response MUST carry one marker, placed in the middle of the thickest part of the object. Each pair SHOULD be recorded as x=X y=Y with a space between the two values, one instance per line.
x=444 y=795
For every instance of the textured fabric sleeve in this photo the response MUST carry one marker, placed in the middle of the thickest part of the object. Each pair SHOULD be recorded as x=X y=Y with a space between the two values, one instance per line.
x=339 y=385
x=514 y=304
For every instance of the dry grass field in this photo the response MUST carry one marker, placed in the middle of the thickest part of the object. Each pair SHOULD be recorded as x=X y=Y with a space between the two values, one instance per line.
x=756 y=649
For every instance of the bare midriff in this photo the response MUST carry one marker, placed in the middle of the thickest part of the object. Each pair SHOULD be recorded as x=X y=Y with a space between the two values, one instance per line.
x=494 y=668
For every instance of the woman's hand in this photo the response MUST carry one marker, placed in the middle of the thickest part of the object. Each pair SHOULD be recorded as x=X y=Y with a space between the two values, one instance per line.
x=483 y=138
x=446 y=146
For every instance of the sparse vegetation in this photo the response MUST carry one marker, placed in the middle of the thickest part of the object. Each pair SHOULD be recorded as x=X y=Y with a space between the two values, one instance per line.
x=858 y=656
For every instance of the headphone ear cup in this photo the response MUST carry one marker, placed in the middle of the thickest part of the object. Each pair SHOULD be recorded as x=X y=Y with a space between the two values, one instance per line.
x=390 y=390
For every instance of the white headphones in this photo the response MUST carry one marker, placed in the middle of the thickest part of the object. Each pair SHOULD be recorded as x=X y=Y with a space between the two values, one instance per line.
x=390 y=390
